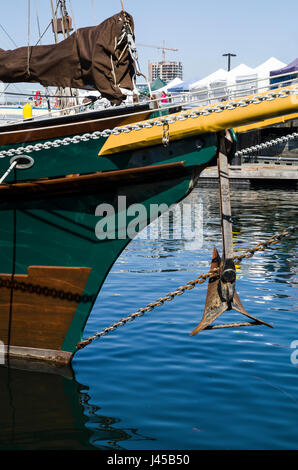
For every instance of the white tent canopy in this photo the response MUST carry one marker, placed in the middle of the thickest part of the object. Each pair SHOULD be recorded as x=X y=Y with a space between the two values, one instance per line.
x=206 y=88
x=242 y=80
x=221 y=84
x=240 y=71
x=264 y=69
x=176 y=81
x=219 y=76
x=240 y=74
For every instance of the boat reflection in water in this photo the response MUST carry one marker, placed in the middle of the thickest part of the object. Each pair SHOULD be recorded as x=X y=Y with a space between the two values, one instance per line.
x=49 y=411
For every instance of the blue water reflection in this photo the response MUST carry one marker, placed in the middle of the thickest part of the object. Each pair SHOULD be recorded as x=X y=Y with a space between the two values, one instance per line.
x=149 y=385
x=226 y=389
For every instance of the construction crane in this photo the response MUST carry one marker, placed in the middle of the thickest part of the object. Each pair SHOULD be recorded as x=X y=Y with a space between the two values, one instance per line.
x=163 y=49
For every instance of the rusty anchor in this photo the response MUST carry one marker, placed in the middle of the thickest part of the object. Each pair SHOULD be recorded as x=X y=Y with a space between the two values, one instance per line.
x=221 y=294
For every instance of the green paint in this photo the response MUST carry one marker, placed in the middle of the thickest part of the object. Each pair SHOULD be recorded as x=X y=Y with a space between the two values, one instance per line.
x=61 y=231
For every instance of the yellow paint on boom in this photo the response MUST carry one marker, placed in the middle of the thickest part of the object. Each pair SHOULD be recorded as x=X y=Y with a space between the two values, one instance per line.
x=213 y=122
x=266 y=123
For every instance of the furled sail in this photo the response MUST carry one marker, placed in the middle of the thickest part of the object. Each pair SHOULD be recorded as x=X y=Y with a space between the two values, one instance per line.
x=93 y=57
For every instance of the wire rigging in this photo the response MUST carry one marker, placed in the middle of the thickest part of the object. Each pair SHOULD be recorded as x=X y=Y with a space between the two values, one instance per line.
x=9 y=37
x=28 y=39
x=37 y=20
x=94 y=11
x=54 y=13
x=72 y=14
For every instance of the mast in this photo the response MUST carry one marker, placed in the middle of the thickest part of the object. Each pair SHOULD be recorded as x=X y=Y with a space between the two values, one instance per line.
x=66 y=29
x=62 y=25
x=39 y=32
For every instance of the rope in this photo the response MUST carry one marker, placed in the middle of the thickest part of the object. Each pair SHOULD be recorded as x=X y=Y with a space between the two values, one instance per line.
x=28 y=49
x=94 y=11
x=50 y=23
x=54 y=22
x=73 y=17
x=14 y=163
x=189 y=286
x=47 y=95
x=62 y=18
x=37 y=21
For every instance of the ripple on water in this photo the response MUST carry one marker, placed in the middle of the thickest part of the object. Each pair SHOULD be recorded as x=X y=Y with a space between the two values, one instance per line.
x=233 y=388
x=149 y=385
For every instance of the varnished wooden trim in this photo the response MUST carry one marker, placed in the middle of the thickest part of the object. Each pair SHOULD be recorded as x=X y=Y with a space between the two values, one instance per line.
x=36 y=310
x=70 y=125
x=91 y=183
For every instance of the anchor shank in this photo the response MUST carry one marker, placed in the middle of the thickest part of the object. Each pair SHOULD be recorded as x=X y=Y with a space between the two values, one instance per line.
x=228 y=272
x=225 y=205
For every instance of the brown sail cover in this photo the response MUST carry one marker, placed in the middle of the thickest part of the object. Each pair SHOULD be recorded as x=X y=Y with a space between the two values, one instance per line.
x=87 y=58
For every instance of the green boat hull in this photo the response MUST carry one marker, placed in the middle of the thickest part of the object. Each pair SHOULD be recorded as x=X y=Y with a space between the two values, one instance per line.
x=53 y=263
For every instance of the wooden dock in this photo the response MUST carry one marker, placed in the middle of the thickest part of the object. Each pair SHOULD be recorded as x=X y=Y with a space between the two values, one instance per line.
x=256 y=174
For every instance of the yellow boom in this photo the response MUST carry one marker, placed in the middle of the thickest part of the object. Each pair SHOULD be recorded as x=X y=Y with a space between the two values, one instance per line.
x=266 y=123
x=224 y=115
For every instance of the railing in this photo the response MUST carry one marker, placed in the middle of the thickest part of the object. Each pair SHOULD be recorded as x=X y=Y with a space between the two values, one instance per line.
x=186 y=100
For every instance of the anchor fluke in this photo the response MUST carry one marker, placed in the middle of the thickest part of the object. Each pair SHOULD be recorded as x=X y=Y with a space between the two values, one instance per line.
x=214 y=305
x=217 y=303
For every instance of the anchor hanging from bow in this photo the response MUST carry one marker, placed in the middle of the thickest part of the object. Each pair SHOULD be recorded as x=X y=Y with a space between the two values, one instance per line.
x=221 y=293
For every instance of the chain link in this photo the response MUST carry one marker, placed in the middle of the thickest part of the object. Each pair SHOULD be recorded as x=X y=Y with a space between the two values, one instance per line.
x=23 y=286
x=267 y=144
x=189 y=286
x=205 y=111
x=165 y=135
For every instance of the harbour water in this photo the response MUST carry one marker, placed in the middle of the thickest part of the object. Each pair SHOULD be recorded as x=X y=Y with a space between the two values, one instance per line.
x=149 y=385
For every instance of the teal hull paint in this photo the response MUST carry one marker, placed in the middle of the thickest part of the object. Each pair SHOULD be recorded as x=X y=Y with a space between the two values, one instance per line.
x=83 y=158
x=105 y=253
x=61 y=231
x=55 y=237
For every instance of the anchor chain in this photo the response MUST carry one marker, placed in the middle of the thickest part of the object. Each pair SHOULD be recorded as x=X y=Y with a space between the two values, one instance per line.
x=264 y=145
x=181 y=116
x=165 y=135
x=262 y=246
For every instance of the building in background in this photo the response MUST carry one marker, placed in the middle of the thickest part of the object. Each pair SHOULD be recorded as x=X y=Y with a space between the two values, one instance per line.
x=165 y=70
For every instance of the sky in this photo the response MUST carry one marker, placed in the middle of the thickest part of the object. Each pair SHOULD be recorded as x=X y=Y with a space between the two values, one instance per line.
x=201 y=31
